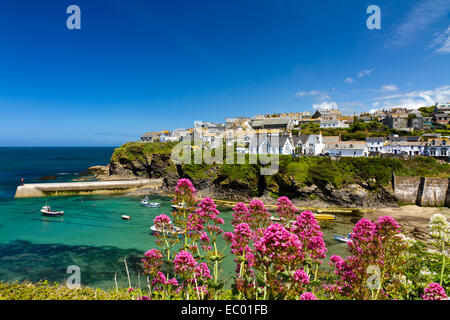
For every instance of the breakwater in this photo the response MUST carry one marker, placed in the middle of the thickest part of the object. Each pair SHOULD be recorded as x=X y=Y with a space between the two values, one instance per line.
x=81 y=188
x=422 y=191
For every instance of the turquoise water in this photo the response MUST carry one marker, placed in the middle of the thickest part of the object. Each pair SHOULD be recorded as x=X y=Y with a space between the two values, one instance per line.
x=91 y=234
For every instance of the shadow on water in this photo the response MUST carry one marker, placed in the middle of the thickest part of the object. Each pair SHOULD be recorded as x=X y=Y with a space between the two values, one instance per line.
x=23 y=260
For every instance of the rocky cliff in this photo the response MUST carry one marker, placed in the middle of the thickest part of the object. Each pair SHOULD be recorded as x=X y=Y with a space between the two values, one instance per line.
x=239 y=182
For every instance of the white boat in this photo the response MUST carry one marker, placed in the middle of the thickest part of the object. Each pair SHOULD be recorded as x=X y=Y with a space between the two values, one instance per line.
x=146 y=200
x=171 y=230
x=342 y=238
x=47 y=211
x=151 y=204
x=124 y=217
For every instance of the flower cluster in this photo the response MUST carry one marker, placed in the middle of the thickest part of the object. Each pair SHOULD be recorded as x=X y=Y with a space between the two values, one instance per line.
x=373 y=245
x=434 y=291
x=286 y=210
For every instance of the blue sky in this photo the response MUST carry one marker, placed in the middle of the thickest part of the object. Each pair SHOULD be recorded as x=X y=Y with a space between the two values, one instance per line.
x=138 y=66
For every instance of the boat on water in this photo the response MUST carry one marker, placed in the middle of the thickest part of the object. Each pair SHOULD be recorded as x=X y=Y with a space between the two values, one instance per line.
x=342 y=238
x=178 y=206
x=170 y=231
x=318 y=216
x=152 y=205
x=323 y=216
x=47 y=211
x=124 y=217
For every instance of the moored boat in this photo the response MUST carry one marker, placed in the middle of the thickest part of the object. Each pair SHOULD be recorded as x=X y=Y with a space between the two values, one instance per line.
x=151 y=204
x=171 y=231
x=124 y=217
x=342 y=238
x=47 y=211
x=323 y=216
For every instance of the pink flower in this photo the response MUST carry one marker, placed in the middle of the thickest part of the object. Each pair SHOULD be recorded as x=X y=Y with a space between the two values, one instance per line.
x=152 y=261
x=308 y=296
x=279 y=246
x=162 y=220
x=434 y=291
x=301 y=277
x=202 y=272
x=143 y=298
x=184 y=263
x=286 y=209
x=130 y=290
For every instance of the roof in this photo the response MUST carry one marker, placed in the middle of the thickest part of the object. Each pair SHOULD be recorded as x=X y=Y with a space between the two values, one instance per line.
x=271 y=121
x=375 y=139
x=151 y=134
x=351 y=145
x=330 y=139
x=408 y=138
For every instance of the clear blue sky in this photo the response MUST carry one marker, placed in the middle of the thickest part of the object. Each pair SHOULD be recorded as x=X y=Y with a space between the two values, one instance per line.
x=138 y=66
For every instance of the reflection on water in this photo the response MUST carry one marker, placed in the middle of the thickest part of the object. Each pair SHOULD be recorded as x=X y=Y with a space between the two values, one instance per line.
x=23 y=260
x=92 y=235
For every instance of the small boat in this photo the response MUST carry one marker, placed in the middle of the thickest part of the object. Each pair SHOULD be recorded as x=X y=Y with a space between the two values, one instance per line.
x=124 y=217
x=342 y=238
x=146 y=200
x=171 y=231
x=323 y=216
x=151 y=204
x=47 y=211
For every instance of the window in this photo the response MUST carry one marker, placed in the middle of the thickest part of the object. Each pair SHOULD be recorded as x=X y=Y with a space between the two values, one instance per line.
x=443 y=152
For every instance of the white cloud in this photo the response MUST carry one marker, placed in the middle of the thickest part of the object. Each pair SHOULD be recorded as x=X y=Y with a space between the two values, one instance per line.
x=364 y=73
x=418 y=18
x=325 y=105
x=442 y=42
x=389 y=88
x=311 y=93
x=415 y=99
x=349 y=80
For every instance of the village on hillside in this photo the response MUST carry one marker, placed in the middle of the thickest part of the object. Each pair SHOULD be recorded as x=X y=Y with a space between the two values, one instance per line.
x=397 y=132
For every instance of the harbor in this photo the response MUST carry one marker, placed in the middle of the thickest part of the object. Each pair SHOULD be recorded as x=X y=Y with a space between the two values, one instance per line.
x=36 y=190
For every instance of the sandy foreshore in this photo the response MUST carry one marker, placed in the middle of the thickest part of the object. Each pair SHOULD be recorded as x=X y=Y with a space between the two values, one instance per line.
x=413 y=219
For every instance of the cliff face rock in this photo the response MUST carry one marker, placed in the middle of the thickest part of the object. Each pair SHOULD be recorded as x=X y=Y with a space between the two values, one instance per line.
x=217 y=182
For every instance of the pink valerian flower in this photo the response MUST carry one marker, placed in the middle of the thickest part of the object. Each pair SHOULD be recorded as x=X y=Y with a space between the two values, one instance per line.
x=372 y=244
x=185 y=187
x=241 y=214
x=260 y=216
x=300 y=277
x=308 y=232
x=173 y=282
x=143 y=298
x=286 y=210
x=184 y=264
x=240 y=238
x=434 y=291
x=308 y=296
x=195 y=223
x=162 y=220
x=207 y=209
x=280 y=247
x=160 y=278
x=152 y=261
x=202 y=272
x=130 y=290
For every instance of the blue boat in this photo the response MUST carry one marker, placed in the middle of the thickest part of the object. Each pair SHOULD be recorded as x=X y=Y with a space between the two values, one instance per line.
x=342 y=238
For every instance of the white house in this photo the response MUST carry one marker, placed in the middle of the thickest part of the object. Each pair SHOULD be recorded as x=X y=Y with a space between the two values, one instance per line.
x=333 y=123
x=437 y=147
x=375 y=144
x=309 y=144
x=411 y=148
x=271 y=145
x=347 y=149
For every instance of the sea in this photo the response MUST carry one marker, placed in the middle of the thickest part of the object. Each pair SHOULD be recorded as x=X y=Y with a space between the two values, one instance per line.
x=91 y=235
